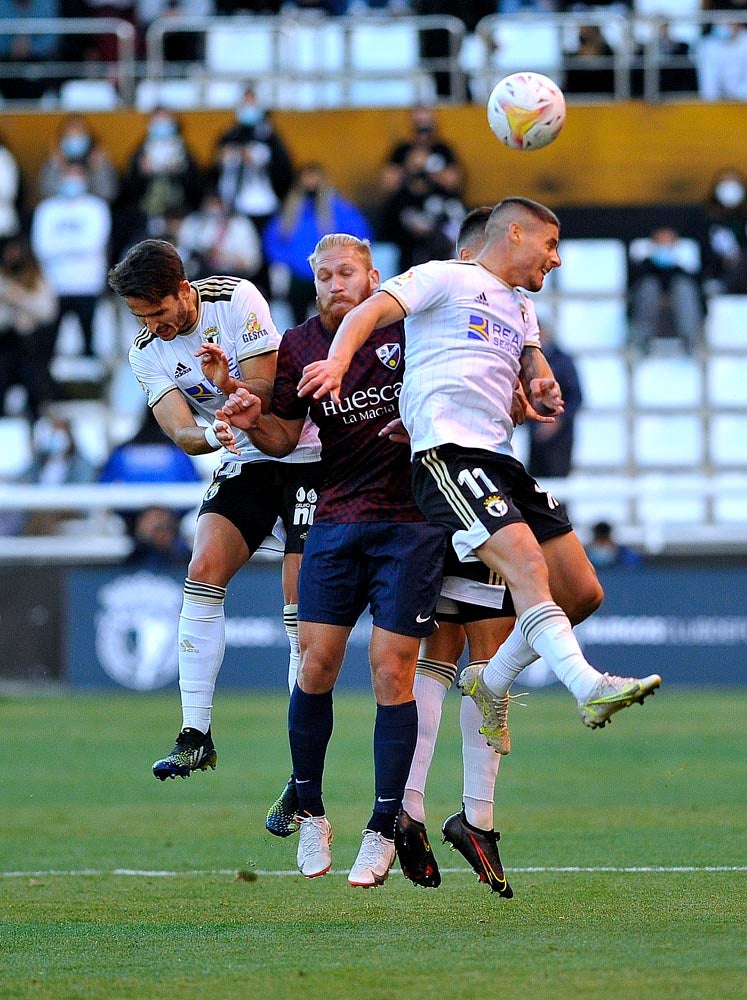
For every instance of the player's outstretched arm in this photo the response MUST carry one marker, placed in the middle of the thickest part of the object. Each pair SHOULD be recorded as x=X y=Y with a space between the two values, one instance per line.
x=322 y=377
x=271 y=434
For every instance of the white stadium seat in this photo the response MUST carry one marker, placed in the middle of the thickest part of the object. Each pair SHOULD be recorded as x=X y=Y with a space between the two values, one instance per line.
x=604 y=381
x=244 y=49
x=726 y=379
x=601 y=441
x=593 y=265
x=672 y=382
x=179 y=95
x=591 y=323
x=668 y=440
x=88 y=95
x=728 y=439
x=16 y=448
x=726 y=322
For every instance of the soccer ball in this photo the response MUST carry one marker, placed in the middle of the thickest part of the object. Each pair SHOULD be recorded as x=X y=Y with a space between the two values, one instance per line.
x=526 y=110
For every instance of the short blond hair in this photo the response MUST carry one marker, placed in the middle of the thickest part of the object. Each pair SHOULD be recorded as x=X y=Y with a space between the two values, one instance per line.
x=335 y=241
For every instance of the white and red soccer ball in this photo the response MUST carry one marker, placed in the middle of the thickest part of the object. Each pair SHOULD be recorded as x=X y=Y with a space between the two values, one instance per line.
x=526 y=110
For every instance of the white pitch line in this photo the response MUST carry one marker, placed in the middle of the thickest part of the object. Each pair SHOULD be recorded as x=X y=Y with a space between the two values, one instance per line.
x=567 y=869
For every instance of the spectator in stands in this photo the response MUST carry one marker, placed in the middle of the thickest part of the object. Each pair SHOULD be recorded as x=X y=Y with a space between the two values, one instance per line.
x=726 y=255
x=721 y=60
x=157 y=544
x=551 y=445
x=70 y=236
x=10 y=193
x=604 y=551
x=421 y=219
x=76 y=144
x=103 y=48
x=25 y=54
x=312 y=209
x=588 y=67
x=28 y=313
x=424 y=151
x=664 y=285
x=57 y=461
x=162 y=175
x=212 y=240
x=253 y=168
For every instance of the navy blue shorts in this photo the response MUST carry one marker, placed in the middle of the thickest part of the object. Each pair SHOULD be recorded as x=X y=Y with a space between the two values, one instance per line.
x=394 y=568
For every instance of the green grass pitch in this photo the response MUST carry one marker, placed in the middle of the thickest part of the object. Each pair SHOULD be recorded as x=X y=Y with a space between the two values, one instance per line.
x=625 y=848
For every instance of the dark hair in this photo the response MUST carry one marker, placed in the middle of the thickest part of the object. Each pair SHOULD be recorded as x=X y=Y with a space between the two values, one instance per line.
x=506 y=210
x=472 y=229
x=150 y=270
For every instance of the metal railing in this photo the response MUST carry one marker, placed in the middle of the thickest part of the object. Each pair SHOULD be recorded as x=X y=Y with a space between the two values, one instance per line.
x=309 y=61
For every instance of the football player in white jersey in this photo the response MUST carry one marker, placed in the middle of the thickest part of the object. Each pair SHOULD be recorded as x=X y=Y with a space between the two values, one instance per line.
x=198 y=343
x=470 y=330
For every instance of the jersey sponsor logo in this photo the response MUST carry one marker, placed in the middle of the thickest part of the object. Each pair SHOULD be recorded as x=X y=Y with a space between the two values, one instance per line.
x=482 y=299
x=495 y=505
x=211 y=335
x=402 y=279
x=203 y=390
x=254 y=329
x=181 y=370
x=389 y=355
x=305 y=506
x=380 y=397
x=478 y=328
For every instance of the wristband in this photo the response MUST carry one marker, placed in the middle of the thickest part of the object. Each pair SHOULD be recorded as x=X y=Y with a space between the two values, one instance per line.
x=212 y=438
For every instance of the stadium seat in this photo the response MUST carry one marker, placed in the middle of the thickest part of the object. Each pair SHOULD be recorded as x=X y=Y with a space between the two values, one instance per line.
x=671 y=382
x=668 y=440
x=728 y=439
x=526 y=44
x=248 y=48
x=176 y=94
x=730 y=501
x=591 y=324
x=593 y=265
x=726 y=378
x=387 y=45
x=604 y=381
x=16 y=448
x=88 y=95
x=671 y=499
x=726 y=321
x=601 y=441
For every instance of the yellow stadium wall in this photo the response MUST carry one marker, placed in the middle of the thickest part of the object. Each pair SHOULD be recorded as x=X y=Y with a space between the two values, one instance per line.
x=624 y=154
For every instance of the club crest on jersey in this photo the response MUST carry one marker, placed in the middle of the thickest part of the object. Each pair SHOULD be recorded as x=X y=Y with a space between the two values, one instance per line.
x=478 y=329
x=495 y=505
x=389 y=355
x=211 y=335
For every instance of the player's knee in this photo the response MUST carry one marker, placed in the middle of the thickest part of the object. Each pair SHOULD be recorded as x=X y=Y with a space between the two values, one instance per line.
x=392 y=681
x=585 y=601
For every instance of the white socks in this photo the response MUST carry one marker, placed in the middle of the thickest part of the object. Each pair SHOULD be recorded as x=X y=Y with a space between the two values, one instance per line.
x=432 y=680
x=542 y=630
x=480 y=763
x=202 y=642
x=290 y=621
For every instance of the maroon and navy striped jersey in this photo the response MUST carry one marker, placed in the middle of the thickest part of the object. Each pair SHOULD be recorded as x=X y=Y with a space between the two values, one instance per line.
x=364 y=477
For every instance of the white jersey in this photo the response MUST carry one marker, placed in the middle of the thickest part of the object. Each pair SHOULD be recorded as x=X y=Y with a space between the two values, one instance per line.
x=232 y=313
x=465 y=330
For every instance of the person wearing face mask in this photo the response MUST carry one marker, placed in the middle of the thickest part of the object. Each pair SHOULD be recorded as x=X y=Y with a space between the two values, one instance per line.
x=218 y=242
x=424 y=150
x=604 y=551
x=252 y=169
x=76 y=144
x=664 y=285
x=70 y=234
x=312 y=209
x=726 y=251
x=721 y=59
x=162 y=176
